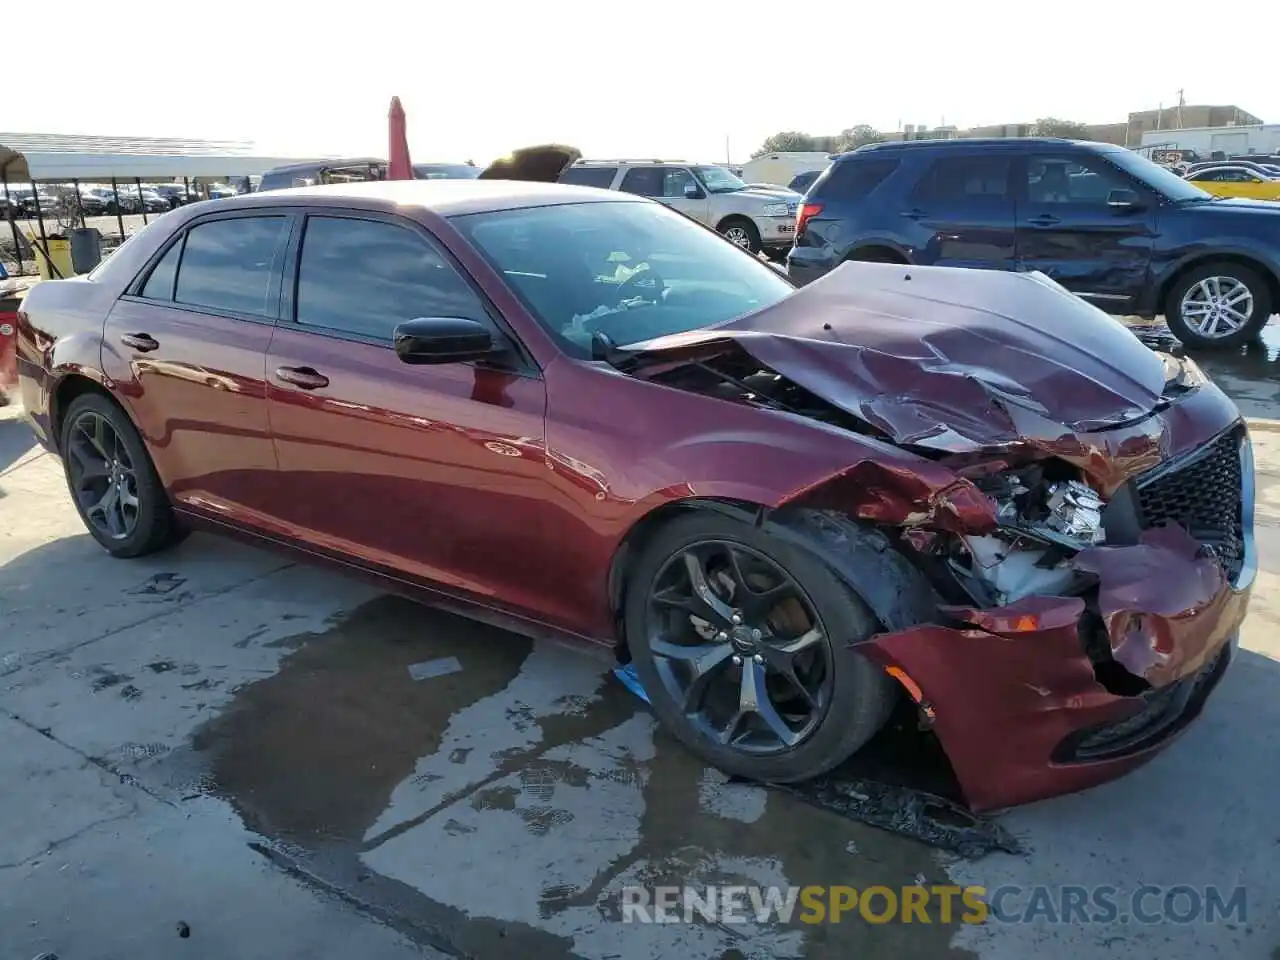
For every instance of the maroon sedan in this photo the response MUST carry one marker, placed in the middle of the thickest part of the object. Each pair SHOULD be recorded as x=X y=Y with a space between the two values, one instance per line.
x=582 y=413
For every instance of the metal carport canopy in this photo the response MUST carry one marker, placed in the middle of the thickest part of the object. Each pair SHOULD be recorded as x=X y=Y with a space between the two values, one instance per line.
x=25 y=156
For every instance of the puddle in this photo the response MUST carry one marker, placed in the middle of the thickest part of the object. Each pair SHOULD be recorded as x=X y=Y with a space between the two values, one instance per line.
x=314 y=751
x=1250 y=374
x=566 y=795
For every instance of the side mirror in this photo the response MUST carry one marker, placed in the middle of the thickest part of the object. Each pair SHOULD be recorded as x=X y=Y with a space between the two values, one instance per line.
x=1121 y=200
x=443 y=340
x=693 y=192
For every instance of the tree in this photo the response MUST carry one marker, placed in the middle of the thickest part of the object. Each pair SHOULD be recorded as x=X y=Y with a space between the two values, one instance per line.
x=1053 y=127
x=785 y=141
x=857 y=136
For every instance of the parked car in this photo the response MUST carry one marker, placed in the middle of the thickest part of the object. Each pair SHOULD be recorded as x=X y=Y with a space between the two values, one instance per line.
x=175 y=194
x=358 y=169
x=23 y=199
x=754 y=218
x=1236 y=181
x=446 y=171
x=1109 y=225
x=10 y=300
x=88 y=203
x=804 y=181
x=581 y=413
x=1254 y=165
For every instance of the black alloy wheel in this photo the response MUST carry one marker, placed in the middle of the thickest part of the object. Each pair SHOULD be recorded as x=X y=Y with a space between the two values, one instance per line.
x=748 y=646
x=112 y=480
x=740 y=647
x=102 y=476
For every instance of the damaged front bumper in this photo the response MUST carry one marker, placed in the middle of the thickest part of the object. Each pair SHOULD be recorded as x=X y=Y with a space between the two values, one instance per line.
x=1049 y=695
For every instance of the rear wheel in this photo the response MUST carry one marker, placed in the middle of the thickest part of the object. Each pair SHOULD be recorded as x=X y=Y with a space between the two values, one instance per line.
x=112 y=480
x=741 y=232
x=743 y=643
x=1219 y=304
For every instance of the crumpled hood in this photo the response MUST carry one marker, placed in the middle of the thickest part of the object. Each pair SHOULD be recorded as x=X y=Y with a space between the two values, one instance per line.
x=947 y=358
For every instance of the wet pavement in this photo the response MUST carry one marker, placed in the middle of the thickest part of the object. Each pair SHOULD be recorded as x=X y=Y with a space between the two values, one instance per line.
x=280 y=761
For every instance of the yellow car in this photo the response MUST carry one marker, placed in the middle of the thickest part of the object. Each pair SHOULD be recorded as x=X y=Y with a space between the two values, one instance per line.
x=1235 y=182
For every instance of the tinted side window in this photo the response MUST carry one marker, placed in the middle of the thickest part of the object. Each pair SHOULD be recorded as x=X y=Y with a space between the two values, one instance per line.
x=226 y=264
x=159 y=285
x=674 y=181
x=1076 y=180
x=966 y=177
x=645 y=181
x=855 y=179
x=804 y=181
x=589 y=176
x=364 y=277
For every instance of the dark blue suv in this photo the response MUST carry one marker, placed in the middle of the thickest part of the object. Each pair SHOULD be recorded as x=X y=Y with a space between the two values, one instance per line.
x=1106 y=223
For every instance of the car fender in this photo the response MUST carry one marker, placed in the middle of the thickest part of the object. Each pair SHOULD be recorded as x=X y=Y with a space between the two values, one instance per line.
x=824 y=488
x=1209 y=249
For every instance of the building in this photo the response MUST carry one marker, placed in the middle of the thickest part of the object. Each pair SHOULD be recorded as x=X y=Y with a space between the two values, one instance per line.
x=1130 y=133
x=1184 y=117
x=1226 y=141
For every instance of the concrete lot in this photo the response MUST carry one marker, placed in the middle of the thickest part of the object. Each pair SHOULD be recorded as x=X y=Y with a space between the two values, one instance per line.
x=223 y=739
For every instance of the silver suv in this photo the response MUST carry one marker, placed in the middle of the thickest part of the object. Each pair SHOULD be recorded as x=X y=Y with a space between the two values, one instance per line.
x=757 y=218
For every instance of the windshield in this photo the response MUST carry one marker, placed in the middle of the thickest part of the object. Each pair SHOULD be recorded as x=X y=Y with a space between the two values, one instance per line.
x=718 y=180
x=445 y=171
x=1158 y=178
x=629 y=270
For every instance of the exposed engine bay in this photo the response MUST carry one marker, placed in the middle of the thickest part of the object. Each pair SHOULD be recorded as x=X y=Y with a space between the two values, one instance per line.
x=1046 y=513
x=1046 y=516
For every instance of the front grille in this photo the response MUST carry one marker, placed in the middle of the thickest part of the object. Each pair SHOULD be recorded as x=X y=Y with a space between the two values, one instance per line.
x=1204 y=495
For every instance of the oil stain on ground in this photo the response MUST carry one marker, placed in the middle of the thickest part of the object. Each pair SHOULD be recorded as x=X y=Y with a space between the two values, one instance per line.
x=312 y=753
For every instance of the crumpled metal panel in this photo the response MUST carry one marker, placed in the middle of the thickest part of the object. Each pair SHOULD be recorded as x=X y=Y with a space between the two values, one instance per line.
x=951 y=360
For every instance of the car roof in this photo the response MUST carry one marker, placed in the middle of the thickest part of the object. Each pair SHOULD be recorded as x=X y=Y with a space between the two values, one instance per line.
x=444 y=197
x=967 y=143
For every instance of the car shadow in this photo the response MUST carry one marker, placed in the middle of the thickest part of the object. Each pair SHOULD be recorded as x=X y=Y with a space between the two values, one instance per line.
x=16 y=440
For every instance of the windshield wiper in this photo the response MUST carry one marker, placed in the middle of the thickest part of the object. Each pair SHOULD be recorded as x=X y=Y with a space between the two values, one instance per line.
x=605 y=350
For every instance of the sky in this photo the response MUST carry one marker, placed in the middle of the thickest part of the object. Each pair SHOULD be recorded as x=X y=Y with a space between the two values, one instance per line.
x=620 y=78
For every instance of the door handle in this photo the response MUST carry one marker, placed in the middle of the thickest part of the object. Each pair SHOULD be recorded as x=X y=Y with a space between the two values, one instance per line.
x=1044 y=220
x=915 y=214
x=142 y=342
x=304 y=378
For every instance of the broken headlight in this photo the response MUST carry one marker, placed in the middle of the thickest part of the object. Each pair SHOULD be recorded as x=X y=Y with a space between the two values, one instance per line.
x=1063 y=511
x=1045 y=517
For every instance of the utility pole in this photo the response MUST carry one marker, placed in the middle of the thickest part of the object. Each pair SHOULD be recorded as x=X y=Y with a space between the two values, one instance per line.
x=1182 y=102
x=728 y=160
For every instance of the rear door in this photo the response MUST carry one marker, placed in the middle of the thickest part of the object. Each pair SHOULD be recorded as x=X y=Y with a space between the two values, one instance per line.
x=187 y=346
x=428 y=470
x=961 y=212
x=1068 y=229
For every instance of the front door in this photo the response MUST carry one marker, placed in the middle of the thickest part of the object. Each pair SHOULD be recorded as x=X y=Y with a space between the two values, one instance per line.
x=1069 y=229
x=187 y=346
x=426 y=469
x=675 y=186
x=961 y=211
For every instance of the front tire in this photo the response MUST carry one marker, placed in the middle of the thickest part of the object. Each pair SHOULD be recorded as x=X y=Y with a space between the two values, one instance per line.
x=113 y=483
x=777 y=695
x=1219 y=304
x=741 y=232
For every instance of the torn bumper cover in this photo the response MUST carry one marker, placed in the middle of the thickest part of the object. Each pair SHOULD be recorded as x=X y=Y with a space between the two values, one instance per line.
x=1050 y=695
